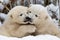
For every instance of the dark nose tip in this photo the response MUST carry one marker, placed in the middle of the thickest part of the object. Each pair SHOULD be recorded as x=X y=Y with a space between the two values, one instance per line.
x=28 y=18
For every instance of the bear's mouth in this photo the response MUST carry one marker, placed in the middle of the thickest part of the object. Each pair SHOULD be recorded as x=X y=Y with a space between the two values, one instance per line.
x=27 y=24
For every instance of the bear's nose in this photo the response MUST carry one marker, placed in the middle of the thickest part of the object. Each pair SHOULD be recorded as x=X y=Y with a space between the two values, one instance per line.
x=28 y=18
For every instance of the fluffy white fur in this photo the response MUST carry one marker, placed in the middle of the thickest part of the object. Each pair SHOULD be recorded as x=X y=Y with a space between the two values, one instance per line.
x=43 y=21
x=14 y=24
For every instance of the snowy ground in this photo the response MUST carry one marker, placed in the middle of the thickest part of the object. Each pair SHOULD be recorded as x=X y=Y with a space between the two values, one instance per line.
x=39 y=37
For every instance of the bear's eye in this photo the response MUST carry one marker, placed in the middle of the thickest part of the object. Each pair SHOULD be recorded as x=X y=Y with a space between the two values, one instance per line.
x=21 y=14
x=36 y=15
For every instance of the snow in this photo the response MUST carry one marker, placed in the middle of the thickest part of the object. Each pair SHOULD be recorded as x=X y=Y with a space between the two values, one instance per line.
x=40 y=1
x=1 y=0
x=39 y=37
x=3 y=16
x=18 y=2
x=56 y=22
x=53 y=8
x=0 y=24
x=5 y=1
x=1 y=6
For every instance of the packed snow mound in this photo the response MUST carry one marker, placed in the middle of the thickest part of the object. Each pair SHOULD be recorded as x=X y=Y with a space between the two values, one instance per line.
x=39 y=37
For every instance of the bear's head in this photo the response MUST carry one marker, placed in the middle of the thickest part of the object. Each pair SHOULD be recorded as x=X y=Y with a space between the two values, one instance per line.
x=39 y=14
x=20 y=15
x=18 y=22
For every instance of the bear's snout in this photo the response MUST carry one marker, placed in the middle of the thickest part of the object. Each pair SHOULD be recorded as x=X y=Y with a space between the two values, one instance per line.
x=28 y=19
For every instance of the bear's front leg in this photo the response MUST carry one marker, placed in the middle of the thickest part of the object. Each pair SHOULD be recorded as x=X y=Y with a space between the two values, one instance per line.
x=24 y=30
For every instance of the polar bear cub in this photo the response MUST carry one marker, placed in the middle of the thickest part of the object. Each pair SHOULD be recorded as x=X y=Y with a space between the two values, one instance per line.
x=17 y=23
x=43 y=22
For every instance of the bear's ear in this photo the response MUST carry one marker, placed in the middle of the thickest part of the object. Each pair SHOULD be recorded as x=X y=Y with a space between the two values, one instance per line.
x=46 y=17
x=11 y=16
